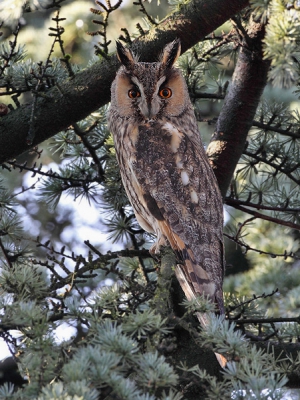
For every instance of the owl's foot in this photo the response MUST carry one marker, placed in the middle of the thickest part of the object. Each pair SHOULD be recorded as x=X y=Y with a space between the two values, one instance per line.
x=155 y=249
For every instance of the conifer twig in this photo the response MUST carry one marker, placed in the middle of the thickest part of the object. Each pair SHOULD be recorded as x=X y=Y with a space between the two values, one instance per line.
x=91 y=150
x=267 y=320
x=145 y=12
x=247 y=248
x=255 y=297
x=6 y=256
x=267 y=217
x=270 y=127
x=233 y=202
x=277 y=167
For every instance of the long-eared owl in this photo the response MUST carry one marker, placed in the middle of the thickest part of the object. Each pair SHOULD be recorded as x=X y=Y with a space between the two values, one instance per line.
x=165 y=170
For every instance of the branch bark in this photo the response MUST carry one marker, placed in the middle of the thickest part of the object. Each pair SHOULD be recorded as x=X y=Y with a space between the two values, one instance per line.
x=277 y=221
x=90 y=89
x=235 y=120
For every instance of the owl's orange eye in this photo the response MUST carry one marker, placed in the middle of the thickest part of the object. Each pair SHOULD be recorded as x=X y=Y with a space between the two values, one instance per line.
x=165 y=93
x=133 y=93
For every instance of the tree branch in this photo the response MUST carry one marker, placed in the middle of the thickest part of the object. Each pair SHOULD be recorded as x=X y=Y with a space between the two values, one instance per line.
x=277 y=167
x=267 y=217
x=241 y=101
x=90 y=89
x=266 y=320
x=247 y=248
x=233 y=202
x=285 y=132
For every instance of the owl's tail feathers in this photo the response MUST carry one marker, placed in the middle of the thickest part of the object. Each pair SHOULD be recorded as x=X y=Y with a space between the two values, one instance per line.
x=190 y=295
x=192 y=277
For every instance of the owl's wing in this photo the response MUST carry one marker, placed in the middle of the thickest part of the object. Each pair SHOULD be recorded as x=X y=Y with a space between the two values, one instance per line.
x=181 y=192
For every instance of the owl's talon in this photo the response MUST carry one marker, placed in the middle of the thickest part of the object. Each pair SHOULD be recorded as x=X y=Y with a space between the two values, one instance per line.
x=155 y=248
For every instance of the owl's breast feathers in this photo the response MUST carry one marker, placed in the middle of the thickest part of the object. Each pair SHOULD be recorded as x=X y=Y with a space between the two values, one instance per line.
x=179 y=200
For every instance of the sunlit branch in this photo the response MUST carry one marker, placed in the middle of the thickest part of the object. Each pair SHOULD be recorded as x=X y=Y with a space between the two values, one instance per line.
x=145 y=12
x=105 y=12
x=13 y=45
x=103 y=262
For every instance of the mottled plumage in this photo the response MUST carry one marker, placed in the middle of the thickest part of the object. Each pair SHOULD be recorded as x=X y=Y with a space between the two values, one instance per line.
x=165 y=170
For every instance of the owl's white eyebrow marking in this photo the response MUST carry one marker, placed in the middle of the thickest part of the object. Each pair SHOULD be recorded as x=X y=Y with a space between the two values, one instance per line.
x=159 y=83
x=176 y=136
x=135 y=80
x=184 y=177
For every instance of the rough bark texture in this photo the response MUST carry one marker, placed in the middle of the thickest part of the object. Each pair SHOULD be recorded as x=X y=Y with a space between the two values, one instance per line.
x=90 y=89
x=241 y=101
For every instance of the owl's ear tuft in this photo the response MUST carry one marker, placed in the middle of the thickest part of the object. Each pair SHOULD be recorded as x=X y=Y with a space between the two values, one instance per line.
x=125 y=56
x=170 y=53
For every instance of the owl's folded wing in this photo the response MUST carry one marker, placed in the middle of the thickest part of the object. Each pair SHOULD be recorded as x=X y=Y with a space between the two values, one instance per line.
x=180 y=191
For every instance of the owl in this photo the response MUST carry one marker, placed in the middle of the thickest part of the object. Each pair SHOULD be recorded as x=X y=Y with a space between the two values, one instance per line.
x=165 y=170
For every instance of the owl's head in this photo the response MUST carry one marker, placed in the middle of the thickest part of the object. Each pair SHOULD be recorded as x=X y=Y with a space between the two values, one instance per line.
x=148 y=91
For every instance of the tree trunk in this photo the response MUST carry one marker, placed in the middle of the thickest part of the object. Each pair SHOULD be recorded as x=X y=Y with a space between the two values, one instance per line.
x=235 y=120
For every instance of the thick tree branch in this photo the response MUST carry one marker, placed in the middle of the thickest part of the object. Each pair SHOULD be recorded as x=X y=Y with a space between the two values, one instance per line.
x=90 y=89
x=241 y=101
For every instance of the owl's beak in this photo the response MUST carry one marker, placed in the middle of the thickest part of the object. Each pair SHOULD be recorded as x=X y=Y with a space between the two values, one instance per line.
x=148 y=111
